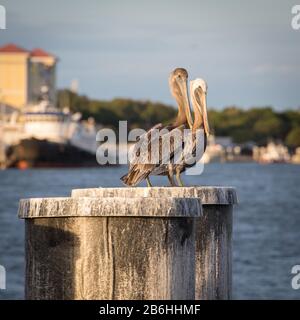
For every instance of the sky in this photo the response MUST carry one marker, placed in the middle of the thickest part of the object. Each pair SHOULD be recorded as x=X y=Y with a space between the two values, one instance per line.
x=246 y=50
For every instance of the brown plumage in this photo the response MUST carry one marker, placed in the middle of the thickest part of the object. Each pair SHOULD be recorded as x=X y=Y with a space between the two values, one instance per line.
x=139 y=171
x=197 y=142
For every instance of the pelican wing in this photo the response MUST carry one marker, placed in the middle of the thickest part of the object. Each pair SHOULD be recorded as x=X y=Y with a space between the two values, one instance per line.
x=134 y=153
x=171 y=147
x=194 y=147
x=158 y=145
x=154 y=152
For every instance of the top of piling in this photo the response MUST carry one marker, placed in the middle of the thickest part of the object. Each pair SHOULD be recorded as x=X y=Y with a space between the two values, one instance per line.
x=129 y=202
x=109 y=207
x=208 y=195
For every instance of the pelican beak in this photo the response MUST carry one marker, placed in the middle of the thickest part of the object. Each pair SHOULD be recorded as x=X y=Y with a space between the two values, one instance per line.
x=204 y=113
x=183 y=89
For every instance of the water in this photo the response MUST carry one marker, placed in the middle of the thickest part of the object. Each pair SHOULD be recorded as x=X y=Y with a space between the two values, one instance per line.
x=266 y=222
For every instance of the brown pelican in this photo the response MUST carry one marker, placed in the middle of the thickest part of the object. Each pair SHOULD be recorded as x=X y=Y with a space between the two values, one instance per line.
x=139 y=168
x=195 y=139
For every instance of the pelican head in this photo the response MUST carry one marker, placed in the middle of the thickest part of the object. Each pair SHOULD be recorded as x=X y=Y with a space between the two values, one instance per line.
x=179 y=73
x=199 y=83
x=198 y=89
x=178 y=80
x=178 y=85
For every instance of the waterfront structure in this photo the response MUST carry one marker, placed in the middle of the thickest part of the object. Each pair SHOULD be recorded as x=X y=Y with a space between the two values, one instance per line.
x=130 y=243
x=33 y=131
x=296 y=157
x=271 y=153
x=23 y=72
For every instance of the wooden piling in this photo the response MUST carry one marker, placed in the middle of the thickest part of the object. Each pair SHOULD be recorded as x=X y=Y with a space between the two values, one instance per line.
x=112 y=247
x=213 y=279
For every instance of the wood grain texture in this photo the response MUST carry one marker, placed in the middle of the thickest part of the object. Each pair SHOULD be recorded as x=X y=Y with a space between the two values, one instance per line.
x=110 y=258
x=213 y=231
x=110 y=207
x=130 y=243
x=214 y=253
x=207 y=194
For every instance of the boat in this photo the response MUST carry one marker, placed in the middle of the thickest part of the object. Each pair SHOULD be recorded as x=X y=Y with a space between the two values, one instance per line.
x=44 y=136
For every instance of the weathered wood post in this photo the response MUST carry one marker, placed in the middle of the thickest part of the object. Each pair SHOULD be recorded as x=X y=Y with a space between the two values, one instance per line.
x=213 y=278
x=110 y=247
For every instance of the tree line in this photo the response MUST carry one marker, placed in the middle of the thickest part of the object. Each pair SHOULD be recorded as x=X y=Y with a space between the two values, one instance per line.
x=257 y=125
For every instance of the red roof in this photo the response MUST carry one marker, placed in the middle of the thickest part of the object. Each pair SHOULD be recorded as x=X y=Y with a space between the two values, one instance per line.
x=12 y=48
x=40 y=53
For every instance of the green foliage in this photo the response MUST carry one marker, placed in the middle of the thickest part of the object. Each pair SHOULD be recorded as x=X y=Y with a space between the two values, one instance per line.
x=293 y=138
x=142 y=114
x=256 y=124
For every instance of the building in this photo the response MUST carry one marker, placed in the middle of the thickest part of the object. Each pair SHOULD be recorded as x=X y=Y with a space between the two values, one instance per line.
x=23 y=73
x=271 y=153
